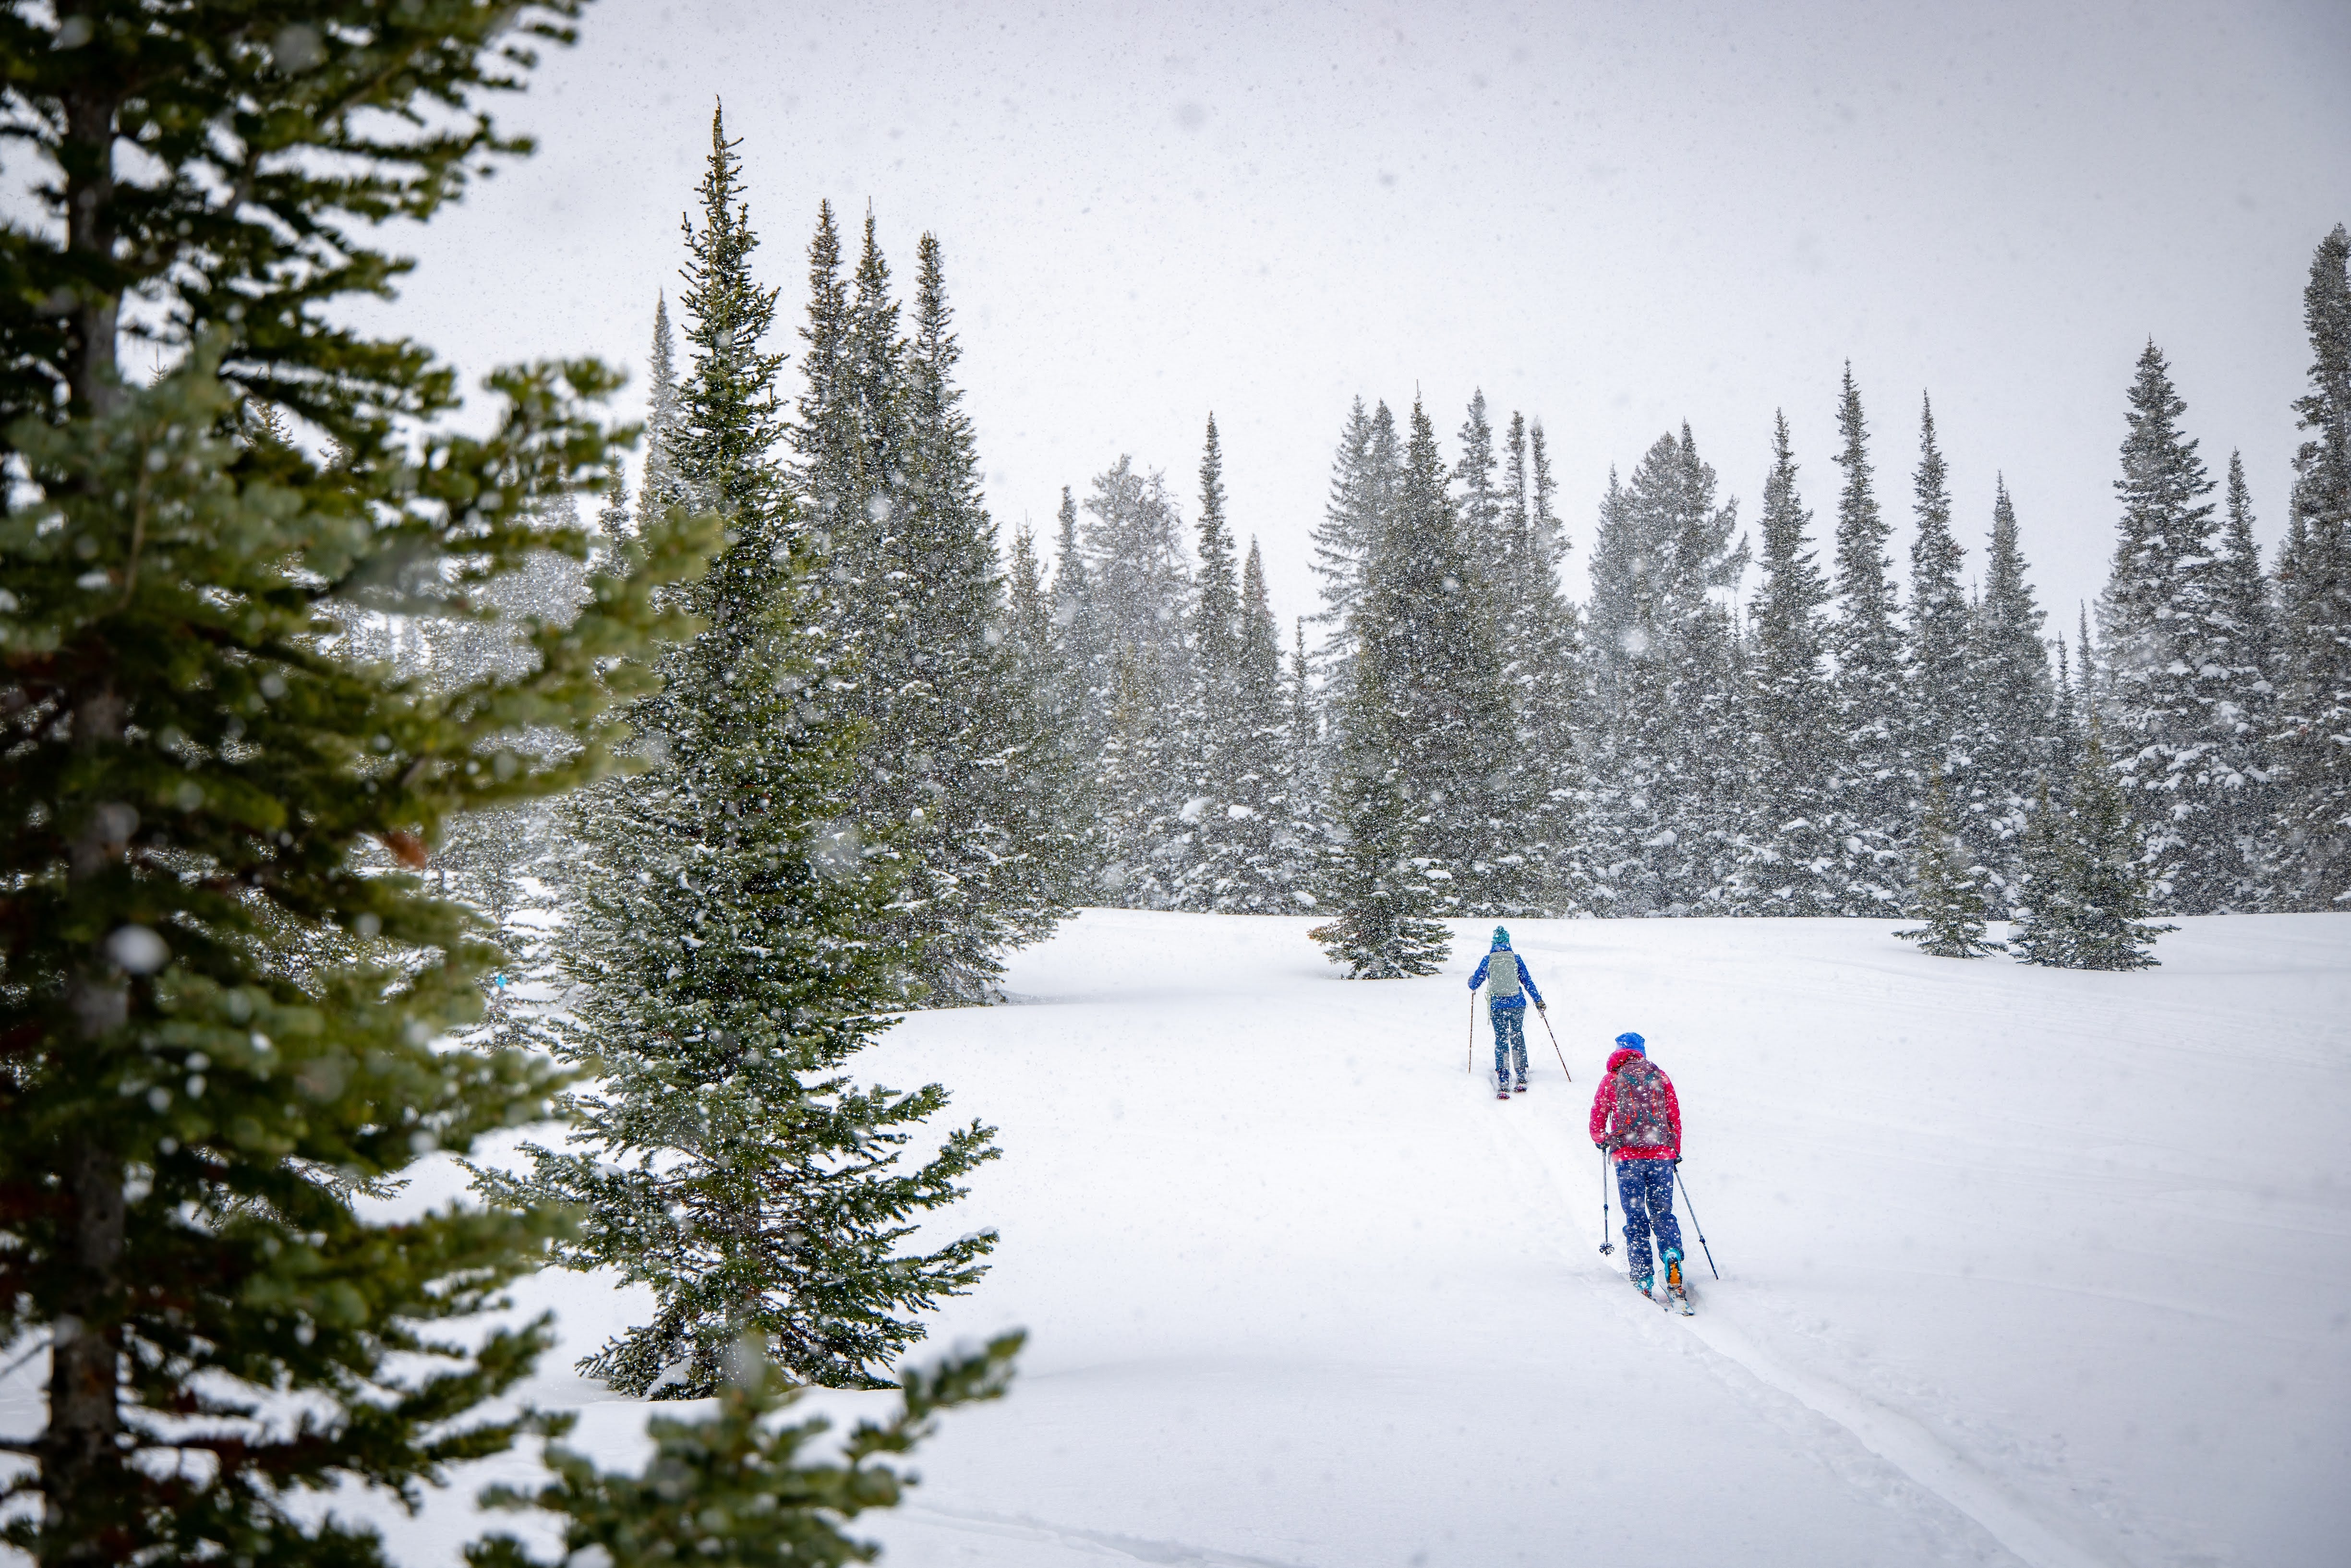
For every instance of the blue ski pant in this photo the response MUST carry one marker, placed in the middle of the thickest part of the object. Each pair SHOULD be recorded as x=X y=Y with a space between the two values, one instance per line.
x=1647 y=1188
x=1509 y=1039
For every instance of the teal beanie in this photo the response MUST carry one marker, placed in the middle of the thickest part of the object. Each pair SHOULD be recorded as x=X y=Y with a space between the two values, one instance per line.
x=1501 y=939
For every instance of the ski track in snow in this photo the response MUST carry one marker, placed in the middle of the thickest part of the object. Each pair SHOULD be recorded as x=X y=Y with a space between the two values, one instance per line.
x=1893 y=1436
x=1083 y=1543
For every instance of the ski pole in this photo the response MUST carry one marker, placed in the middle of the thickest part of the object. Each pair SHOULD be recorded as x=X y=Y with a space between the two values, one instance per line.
x=1469 y=1056
x=1606 y=1246
x=1694 y=1221
x=1544 y=1013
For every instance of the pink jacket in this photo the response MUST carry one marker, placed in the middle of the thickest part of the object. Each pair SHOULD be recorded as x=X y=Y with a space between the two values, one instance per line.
x=1604 y=1115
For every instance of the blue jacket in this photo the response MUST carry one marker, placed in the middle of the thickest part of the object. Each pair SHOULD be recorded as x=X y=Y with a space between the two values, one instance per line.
x=1526 y=981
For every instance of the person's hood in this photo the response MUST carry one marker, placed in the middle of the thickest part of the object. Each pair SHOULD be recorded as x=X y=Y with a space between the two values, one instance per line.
x=1620 y=1056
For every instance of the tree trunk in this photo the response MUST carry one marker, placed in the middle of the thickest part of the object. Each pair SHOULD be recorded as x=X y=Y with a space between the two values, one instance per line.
x=84 y=1477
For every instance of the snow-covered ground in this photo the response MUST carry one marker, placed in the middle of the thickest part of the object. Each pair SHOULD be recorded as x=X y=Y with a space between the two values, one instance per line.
x=2018 y=1265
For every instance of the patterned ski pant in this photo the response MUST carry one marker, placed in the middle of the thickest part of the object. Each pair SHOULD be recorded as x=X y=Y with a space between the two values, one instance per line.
x=1647 y=1188
x=1509 y=1041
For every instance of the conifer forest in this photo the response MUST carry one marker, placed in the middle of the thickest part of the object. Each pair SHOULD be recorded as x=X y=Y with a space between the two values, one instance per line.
x=470 y=854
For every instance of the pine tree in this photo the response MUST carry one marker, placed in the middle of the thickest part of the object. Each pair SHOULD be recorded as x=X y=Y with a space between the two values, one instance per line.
x=1303 y=843
x=1266 y=857
x=734 y=1487
x=1870 y=769
x=729 y=951
x=2313 y=744
x=824 y=437
x=2013 y=709
x=1136 y=592
x=658 y=490
x=1543 y=665
x=1216 y=593
x=1382 y=890
x=2183 y=757
x=2241 y=638
x=1790 y=853
x=2045 y=912
x=1941 y=724
x=1366 y=477
x=1947 y=887
x=1076 y=636
x=1062 y=842
x=1443 y=716
x=229 y=996
x=1479 y=507
x=2088 y=880
x=1662 y=821
x=955 y=743
x=1421 y=714
x=1206 y=854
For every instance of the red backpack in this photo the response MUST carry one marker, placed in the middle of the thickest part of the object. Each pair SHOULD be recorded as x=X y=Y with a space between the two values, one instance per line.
x=1639 y=1120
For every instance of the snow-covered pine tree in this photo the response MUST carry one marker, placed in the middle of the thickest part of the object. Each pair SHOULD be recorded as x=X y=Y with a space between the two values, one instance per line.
x=1942 y=724
x=657 y=488
x=1869 y=768
x=824 y=440
x=2043 y=904
x=954 y=744
x=1480 y=506
x=1138 y=785
x=2109 y=891
x=1445 y=722
x=1541 y=488
x=1661 y=823
x=2242 y=639
x=1266 y=855
x=615 y=523
x=739 y=1486
x=1204 y=859
x=2013 y=710
x=1708 y=689
x=1543 y=667
x=1060 y=762
x=2182 y=757
x=722 y=948
x=226 y=995
x=2313 y=744
x=1790 y=853
x=1946 y=888
x=1367 y=475
x=1306 y=831
x=1077 y=638
x=1137 y=591
x=1372 y=878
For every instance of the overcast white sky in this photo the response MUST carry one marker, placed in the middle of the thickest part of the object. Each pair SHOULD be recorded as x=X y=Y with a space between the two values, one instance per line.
x=1615 y=218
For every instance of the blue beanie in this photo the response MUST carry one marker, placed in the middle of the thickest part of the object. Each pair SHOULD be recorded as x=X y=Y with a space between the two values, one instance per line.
x=1501 y=939
x=1632 y=1041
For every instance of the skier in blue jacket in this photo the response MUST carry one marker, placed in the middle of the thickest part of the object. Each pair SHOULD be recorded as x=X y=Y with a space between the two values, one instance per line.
x=1507 y=1001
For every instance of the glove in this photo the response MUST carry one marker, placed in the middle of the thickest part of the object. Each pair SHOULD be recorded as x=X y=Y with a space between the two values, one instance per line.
x=1677 y=1162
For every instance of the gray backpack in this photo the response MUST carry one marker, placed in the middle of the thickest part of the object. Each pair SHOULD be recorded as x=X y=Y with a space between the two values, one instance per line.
x=1501 y=974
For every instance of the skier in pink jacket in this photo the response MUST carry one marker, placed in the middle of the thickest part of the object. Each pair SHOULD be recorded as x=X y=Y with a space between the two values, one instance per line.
x=1636 y=1119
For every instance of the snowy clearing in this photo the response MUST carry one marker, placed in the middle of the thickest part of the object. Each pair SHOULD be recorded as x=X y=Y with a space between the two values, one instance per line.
x=2019 y=1265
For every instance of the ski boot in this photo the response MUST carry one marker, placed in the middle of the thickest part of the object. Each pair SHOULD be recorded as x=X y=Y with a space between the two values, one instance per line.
x=1521 y=1087
x=1674 y=1288
x=1647 y=1287
x=1501 y=1087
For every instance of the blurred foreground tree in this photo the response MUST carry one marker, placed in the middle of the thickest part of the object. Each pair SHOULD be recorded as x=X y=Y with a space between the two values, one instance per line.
x=221 y=983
